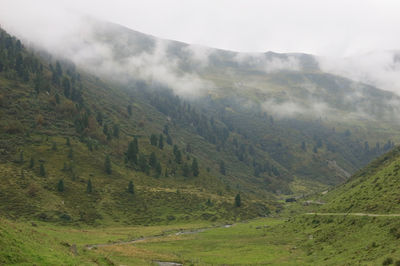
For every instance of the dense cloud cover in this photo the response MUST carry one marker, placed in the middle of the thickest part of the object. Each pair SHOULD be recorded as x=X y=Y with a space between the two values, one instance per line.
x=341 y=41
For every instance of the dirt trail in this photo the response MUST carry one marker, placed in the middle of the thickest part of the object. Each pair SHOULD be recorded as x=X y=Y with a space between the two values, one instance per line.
x=352 y=214
x=182 y=232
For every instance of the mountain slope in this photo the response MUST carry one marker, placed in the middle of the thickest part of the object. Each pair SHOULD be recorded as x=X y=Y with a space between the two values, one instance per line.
x=373 y=189
x=63 y=127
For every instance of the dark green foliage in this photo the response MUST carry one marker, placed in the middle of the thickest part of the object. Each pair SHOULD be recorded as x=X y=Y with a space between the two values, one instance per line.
x=66 y=84
x=70 y=154
x=99 y=119
x=153 y=140
x=58 y=69
x=387 y=261
x=107 y=165
x=169 y=140
x=177 y=154
x=161 y=142
x=158 y=169
x=89 y=188
x=116 y=131
x=195 y=167
x=57 y=98
x=132 y=151
x=54 y=146
x=153 y=160
x=42 y=170
x=222 y=169
x=22 y=173
x=209 y=203
x=129 y=109
x=238 y=201
x=105 y=128
x=185 y=170
x=60 y=185
x=31 y=163
x=131 y=187
x=142 y=162
x=67 y=142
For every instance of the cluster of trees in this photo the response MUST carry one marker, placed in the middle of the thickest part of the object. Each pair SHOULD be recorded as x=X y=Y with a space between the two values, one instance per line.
x=89 y=187
x=15 y=61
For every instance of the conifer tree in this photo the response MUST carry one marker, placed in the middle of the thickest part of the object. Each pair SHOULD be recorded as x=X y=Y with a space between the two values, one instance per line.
x=185 y=170
x=178 y=155
x=107 y=165
x=158 y=169
x=153 y=160
x=131 y=187
x=153 y=140
x=132 y=151
x=42 y=170
x=31 y=163
x=195 y=167
x=89 y=188
x=161 y=142
x=116 y=131
x=238 y=201
x=60 y=185
x=142 y=162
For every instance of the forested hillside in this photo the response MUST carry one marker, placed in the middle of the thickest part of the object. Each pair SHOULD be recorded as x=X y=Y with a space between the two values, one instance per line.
x=79 y=147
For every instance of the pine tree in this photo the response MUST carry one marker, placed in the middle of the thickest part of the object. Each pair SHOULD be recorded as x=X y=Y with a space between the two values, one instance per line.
x=142 y=162
x=32 y=163
x=222 y=167
x=132 y=151
x=158 y=169
x=178 y=155
x=169 y=140
x=70 y=154
x=153 y=140
x=185 y=170
x=153 y=160
x=195 y=167
x=105 y=129
x=238 y=202
x=131 y=187
x=57 y=98
x=161 y=142
x=107 y=165
x=42 y=171
x=60 y=185
x=116 y=131
x=89 y=188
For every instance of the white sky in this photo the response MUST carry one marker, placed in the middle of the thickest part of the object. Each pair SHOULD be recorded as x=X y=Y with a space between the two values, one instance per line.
x=322 y=27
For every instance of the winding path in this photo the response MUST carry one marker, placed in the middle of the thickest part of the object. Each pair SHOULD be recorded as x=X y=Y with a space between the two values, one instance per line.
x=352 y=214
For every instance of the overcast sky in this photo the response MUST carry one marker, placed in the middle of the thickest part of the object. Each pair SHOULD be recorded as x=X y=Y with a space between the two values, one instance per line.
x=338 y=27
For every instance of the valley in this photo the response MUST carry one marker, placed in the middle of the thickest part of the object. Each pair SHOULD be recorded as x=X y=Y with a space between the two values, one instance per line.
x=121 y=148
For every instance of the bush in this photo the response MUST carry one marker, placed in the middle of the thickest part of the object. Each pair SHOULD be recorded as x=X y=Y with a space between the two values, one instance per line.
x=387 y=261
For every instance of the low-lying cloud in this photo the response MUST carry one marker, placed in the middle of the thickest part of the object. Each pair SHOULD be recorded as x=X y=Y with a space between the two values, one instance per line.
x=380 y=69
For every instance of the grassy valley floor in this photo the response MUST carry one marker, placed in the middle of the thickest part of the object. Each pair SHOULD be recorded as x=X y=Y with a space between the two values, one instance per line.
x=300 y=240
